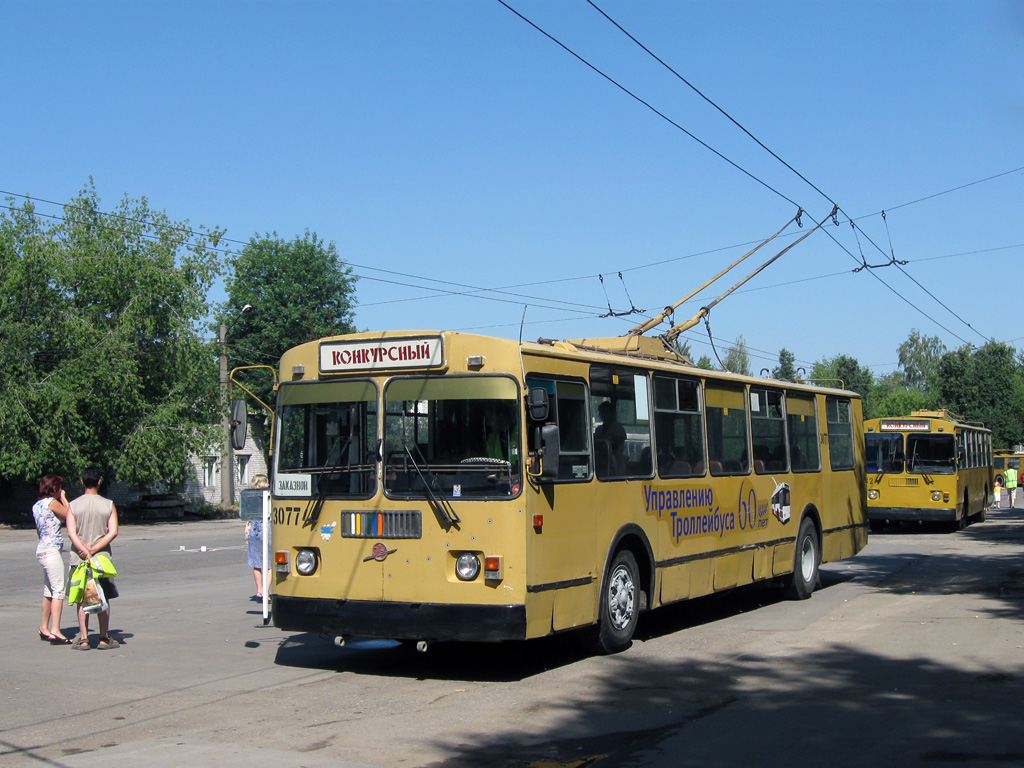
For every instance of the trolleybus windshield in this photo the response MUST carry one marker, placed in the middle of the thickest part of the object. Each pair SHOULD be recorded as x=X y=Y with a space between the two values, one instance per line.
x=931 y=454
x=884 y=452
x=328 y=432
x=924 y=454
x=454 y=436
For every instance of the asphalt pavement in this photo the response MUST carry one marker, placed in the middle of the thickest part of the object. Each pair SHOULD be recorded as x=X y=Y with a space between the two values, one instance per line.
x=910 y=654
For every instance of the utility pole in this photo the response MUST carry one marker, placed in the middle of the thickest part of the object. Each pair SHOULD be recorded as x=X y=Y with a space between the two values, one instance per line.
x=227 y=470
x=227 y=476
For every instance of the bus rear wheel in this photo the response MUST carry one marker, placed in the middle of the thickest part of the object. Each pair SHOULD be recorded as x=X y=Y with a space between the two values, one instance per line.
x=801 y=583
x=620 y=606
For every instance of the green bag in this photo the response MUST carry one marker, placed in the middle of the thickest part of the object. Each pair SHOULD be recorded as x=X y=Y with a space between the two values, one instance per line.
x=76 y=589
x=103 y=568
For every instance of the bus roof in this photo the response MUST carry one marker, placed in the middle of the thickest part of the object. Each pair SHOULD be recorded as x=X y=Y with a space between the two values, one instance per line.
x=640 y=349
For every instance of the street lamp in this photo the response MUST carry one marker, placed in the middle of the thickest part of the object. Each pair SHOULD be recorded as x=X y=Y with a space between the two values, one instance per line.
x=227 y=475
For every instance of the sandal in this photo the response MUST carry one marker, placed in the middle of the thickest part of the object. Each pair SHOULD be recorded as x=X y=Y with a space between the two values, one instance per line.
x=82 y=644
x=60 y=640
x=45 y=637
x=107 y=643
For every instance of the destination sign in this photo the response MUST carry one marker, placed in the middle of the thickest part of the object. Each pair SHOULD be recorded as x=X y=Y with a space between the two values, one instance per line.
x=906 y=425
x=385 y=354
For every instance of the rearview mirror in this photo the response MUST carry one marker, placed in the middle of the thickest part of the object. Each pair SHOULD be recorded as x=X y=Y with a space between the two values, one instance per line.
x=538 y=406
x=239 y=424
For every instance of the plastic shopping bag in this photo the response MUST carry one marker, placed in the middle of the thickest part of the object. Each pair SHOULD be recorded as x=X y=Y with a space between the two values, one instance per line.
x=93 y=599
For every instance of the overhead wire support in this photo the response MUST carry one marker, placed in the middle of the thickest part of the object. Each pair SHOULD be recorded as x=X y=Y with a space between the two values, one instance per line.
x=611 y=312
x=863 y=259
x=864 y=264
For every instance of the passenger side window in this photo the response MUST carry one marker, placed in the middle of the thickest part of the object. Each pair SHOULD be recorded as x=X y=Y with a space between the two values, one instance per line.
x=726 y=410
x=621 y=411
x=568 y=401
x=767 y=430
x=802 y=420
x=678 y=427
x=839 y=412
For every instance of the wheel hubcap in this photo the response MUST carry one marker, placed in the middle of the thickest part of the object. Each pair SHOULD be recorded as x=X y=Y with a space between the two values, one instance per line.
x=807 y=559
x=621 y=595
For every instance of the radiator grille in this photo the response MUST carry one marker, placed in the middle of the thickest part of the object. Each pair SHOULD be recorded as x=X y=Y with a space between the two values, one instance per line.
x=904 y=482
x=383 y=524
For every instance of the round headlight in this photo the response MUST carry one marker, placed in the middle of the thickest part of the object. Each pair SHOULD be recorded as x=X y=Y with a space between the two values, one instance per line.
x=936 y=495
x=467 y=566
x=305 y=561
x=872 y=494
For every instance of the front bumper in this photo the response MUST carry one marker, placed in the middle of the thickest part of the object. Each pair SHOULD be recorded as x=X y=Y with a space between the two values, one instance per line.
x=401 y=621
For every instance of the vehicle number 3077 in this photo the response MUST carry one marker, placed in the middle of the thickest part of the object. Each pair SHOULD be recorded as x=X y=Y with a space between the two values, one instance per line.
x=287 y=516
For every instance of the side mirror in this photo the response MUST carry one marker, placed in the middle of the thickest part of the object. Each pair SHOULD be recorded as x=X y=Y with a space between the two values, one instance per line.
x=239 y=424
x=544 y=458
x=538 y=405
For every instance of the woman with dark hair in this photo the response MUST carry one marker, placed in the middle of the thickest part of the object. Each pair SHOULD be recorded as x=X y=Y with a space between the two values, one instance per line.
x=48 y=511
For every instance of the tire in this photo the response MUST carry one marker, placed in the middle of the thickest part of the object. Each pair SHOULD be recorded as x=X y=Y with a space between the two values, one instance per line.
x=620 y=606
x=965 y=518
x=980 y=516
x=806 y=559
x=877 y=526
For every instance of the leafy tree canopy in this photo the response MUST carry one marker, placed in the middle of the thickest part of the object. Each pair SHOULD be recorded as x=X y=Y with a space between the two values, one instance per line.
x=101 y=363
x=890 y=397
x=298 y=290
x=919 y=359
x=983 y=385
x=845 y=371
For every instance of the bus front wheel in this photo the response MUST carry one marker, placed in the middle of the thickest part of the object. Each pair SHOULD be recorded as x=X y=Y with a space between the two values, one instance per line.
x=620 y=606
x=805 y=562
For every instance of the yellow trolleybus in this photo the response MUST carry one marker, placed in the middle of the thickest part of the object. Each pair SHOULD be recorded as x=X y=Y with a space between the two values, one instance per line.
x=432 y=486
x=928 y=466
x=1003 y=459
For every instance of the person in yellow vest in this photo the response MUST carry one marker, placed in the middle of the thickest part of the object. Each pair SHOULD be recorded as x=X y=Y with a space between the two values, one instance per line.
x=1010 y=477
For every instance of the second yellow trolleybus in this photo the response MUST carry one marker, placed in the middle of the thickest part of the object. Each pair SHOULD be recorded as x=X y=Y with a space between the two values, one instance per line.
x=928 y=467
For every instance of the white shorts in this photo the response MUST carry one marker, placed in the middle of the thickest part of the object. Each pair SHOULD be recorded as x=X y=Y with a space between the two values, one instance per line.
x=54 y=569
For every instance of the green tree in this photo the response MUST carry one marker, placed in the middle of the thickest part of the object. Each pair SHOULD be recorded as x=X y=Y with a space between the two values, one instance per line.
x=705 y=363
x=101 y=363
x=299 y=290
x=844 y=371
x=890 y=397
x=786 y=369
x=983 y=385
x=919 y=359
x=737 y=359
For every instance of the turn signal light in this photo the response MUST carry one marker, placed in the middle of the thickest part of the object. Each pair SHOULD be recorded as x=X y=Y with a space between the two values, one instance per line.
x=281 y=564
x=493 y=568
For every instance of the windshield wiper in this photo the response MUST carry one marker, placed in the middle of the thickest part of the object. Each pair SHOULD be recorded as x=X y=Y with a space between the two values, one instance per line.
x=441 y=506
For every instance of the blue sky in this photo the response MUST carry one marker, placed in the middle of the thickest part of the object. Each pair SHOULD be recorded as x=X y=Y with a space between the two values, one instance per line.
x=448 y=146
